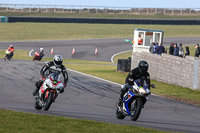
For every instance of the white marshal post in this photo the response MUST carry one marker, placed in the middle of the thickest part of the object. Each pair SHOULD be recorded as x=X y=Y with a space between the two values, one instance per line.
x=143 y=38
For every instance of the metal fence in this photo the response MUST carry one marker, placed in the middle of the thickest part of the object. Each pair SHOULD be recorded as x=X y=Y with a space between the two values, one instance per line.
x=98 y=9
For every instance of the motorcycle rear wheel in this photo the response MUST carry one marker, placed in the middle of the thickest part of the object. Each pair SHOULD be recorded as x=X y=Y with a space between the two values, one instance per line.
x=49 y=101
x=135 y=109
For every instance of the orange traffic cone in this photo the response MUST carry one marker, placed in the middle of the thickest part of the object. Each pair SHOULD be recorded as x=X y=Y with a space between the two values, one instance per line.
x=73 y=51
x=51 y=50
x=96 y=52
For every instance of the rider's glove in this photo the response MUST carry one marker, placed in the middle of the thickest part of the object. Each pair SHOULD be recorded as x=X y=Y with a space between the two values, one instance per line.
x=62 y=90
x=43 y=78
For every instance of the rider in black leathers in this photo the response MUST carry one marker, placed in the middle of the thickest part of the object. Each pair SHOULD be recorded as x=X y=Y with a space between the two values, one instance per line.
x=139 y=72
x=52 y=66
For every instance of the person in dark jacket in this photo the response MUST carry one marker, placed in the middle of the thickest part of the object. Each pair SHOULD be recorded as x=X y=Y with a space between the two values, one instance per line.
x=151 y=49
x=197 y=51
x=161 y=49
x=176 y=50
x=139 y=72
x=155 y=48
x=180 y=50
x=51 y=67
x=187 y=51
x=171 y=49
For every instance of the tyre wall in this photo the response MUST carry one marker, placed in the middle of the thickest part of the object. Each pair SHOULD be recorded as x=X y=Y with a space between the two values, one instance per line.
x=103 y=21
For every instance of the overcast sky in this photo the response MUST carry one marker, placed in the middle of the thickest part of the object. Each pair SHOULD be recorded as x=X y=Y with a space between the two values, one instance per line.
x=113 y=3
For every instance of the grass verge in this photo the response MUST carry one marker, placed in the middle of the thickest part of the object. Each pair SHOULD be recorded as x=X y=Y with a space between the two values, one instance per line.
x=61 y=31
x=18 y=122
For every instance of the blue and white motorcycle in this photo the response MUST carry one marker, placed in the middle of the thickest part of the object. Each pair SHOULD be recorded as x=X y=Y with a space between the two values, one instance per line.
x=134 y=100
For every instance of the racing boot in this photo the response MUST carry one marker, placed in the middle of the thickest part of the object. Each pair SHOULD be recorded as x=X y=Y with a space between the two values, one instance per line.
x=37 y=85
x=120 y=102
x=36 y=91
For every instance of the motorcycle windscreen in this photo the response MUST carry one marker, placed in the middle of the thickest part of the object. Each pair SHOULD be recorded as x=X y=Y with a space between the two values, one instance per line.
x=55 y=77
x=141 y=83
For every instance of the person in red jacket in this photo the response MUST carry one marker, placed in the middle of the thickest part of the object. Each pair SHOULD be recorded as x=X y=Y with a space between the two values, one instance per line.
x=140 y=40
x=9 y=52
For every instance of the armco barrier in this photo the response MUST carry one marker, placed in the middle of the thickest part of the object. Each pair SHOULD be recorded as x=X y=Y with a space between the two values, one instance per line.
x=103 y=21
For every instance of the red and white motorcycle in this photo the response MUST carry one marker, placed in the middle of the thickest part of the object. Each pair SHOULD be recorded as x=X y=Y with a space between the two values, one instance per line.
x=48 y=92
x=38 y=56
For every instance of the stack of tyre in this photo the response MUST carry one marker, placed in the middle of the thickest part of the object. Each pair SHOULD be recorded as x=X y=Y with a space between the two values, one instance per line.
x=124 y=65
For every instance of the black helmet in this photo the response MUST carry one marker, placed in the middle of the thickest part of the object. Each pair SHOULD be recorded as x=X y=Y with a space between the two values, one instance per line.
x=57 y=60
x=143 y=66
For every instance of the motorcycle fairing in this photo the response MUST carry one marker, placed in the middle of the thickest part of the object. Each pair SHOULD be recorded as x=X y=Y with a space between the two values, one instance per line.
x=128 y=97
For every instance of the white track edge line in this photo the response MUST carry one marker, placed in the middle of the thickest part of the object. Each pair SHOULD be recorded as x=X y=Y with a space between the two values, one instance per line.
x=30 y=52
x=117 y=54
x=94 y=77
x=98 y=78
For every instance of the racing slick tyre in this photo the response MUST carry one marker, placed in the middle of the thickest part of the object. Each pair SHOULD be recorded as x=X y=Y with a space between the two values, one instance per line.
x=135 y=109
x=49 y=101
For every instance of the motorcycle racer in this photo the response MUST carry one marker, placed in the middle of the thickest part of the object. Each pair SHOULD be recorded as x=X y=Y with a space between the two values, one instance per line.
x=51 y=67
x=139 y=72
x=41 y=53
x=10 y=52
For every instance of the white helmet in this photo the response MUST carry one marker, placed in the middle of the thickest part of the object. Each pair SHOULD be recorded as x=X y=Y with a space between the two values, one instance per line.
x=41 y=49
x=57 y=60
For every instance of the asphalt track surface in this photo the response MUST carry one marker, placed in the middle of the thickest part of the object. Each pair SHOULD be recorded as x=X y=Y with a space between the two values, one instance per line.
x=88 y=98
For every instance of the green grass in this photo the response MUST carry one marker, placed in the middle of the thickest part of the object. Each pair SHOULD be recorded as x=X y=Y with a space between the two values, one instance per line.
x=174 y=91
x=18 y=122
x=100 y=15
x=122 y=56
x=55 y=31
x=18 y=54
x=103 y=71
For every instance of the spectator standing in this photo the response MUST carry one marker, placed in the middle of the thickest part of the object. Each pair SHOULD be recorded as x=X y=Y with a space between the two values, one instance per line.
x=197 y=51
x=151 y=49
x=171 y=49
x=176 y=50
x=187 y=51
x=161 y=49
x=155 y=48
x=180 y=50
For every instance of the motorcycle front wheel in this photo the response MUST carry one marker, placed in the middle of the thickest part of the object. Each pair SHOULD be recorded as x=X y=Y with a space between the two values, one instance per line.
x=135 y=109
x=119 y=114
x=49 y=101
